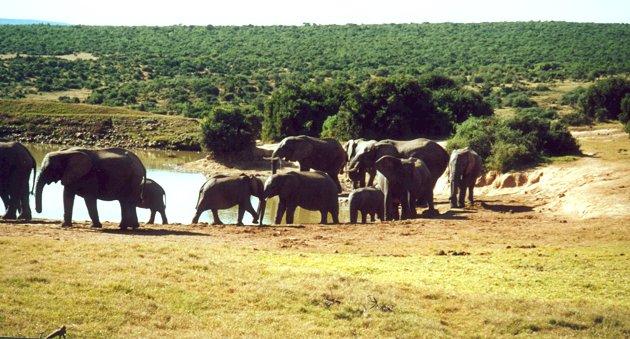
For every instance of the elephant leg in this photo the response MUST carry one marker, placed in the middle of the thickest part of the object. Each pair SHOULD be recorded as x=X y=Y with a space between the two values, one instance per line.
x=462 y=195
x=470 y=193
x=152 y=217
x=354 y=213
x=324 y=217
x=11 y=212
x=371 y=174
x=430 y=201
x=25 y=208
x=241 y=212
x=282 y=207
x=68 y=205
x=372 y=217
x=124 y=216
x=163 y=215
x=290 y=213
x=90 y=203
x=215 y=217
x=363 y=217
x=335 y=214
x=133 y=215
x=250 y=209
x=197 y=215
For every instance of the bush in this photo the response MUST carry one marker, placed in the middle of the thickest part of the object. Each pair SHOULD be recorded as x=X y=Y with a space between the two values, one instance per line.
x=573 y=97
x=519 y=100
x=624 y=116
x=517 y=141
x=398 y=108
x=602 y=100
x=461 y=104
x=295 y=109
x=230 y=128
x=576 y=119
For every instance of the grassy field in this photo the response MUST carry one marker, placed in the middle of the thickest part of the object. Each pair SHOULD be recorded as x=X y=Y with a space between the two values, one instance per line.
x=478 y=273
x=62 y=123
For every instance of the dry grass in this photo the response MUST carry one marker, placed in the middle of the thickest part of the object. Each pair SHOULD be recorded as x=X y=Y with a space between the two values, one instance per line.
x=501 y=274
x=82 y=94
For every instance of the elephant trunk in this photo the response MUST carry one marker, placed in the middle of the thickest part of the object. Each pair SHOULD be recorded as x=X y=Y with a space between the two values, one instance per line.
x=454 y=178
x=39 y=188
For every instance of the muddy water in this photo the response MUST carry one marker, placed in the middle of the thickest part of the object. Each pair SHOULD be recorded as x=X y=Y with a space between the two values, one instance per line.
x=181 y=193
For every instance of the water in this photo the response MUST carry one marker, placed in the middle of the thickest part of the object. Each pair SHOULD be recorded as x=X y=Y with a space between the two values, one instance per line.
x=181 y=188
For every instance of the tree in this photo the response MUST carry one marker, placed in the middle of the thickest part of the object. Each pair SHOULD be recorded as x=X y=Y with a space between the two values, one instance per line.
x=230 y=128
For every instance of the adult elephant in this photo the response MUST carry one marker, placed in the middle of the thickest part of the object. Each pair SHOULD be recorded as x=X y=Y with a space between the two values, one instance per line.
x=433 y=155
x=326 y=155
x=352 y=148
x=104 y=174
x=402 y=182
x=314 y=191
x=222 y=192
x=464 y=167
x=16 y=163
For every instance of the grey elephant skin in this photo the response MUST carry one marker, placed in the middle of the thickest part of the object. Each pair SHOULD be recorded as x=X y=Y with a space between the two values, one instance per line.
x=103 y=174
x=314 y=191
x=326 y=155
x=434 y=156
x=402 y=182
x=464 y=167
x=154 y=199
x=16 y=163
x=352 y=148
x=223 y=192
x=368 y=201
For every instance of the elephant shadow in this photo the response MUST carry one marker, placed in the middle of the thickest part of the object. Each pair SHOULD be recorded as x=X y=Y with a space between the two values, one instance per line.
x=152 y=232
x=30 y=222
x=448 y=215
x=505 y=208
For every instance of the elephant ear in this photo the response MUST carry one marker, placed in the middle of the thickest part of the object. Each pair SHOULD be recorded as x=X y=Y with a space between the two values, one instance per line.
x=78 y=164
x=389 y=166
x=301 y=150
x=256 y=186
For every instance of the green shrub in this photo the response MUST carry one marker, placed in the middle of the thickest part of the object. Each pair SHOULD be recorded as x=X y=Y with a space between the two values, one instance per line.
x=602 y=100
x=624 y=116
x=517 y=141
x=398 y=108
x=519 y=100
x=576 y=119
x=230 y=128
x=573 y=97
x=475 y=133
x=462 y=103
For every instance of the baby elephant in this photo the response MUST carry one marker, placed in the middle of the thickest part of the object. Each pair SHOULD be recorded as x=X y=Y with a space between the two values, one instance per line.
x=368 y=200
x=153 y=198
x=464 y=168
x=223 y=192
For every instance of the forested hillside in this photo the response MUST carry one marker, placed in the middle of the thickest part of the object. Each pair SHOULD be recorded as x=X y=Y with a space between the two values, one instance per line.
x=188 y=69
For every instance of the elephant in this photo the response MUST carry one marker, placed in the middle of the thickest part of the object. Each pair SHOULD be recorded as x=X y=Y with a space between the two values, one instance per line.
x=314 y=191
x=222 y=192
x=326 y=155
x=153 y=198
x=367 y=200
x=430 y=152
x=464 y=167
x=104 y=174
x=402 y=182
x=354 y=147
x=16 y=163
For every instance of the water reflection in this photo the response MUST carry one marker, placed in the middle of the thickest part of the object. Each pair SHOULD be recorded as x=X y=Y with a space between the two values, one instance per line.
x=181 y=193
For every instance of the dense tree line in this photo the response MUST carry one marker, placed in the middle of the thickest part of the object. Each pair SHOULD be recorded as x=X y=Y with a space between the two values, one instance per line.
x=189 y=69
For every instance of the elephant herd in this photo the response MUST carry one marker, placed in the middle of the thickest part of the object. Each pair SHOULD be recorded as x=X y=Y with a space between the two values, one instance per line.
x=401 y=176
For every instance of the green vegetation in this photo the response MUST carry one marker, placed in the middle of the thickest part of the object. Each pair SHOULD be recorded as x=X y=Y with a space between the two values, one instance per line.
x=230 y=128
x=512 y=142
x=81 y=124
x=189 y=69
